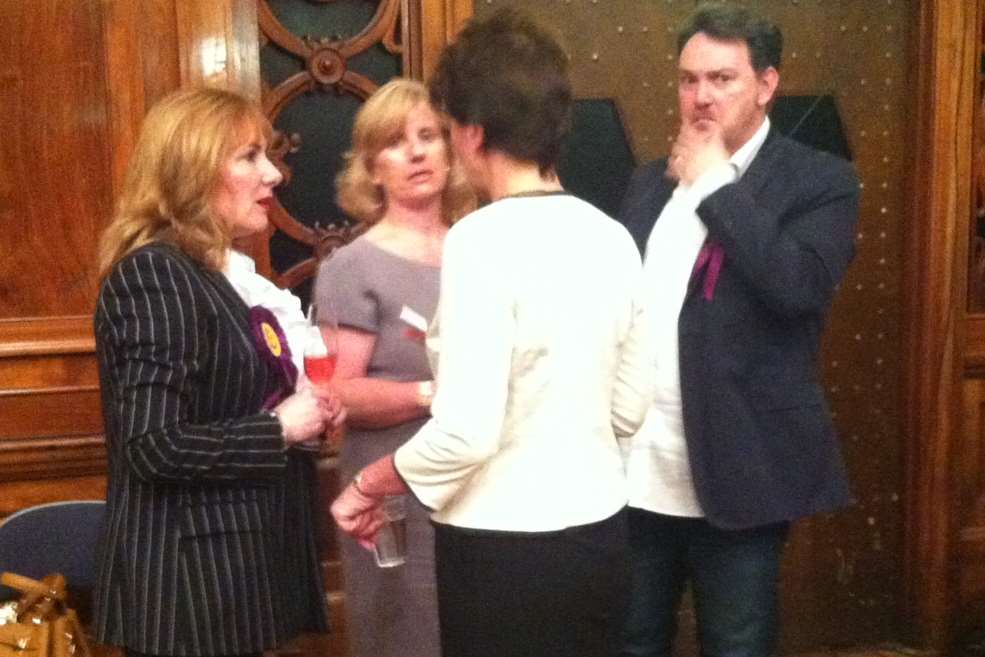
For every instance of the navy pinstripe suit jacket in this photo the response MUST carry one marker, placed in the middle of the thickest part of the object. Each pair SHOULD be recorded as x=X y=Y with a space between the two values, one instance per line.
x=209 y=546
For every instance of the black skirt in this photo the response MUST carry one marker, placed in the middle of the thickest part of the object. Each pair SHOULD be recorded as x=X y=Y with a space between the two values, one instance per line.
x=533 y=594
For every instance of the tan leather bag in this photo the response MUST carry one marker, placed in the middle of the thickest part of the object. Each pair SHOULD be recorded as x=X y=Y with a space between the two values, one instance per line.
x=41 y=624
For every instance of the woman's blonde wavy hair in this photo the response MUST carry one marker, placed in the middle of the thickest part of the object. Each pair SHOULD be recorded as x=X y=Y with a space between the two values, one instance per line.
x=173 y=174
x=381 y=119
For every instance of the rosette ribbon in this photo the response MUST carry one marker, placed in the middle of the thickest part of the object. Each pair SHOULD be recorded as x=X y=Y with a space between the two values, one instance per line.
x=708 y=266
x=271 y=344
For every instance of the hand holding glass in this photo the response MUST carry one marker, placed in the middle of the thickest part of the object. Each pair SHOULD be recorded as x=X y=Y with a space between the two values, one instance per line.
x=390 y=544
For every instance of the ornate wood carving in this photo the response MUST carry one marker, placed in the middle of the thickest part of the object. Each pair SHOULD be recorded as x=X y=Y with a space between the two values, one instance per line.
x=399 y=27
x=325 y=68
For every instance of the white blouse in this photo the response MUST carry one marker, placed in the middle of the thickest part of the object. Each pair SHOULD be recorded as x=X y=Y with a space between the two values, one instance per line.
x=541 y=362
x=240 y=271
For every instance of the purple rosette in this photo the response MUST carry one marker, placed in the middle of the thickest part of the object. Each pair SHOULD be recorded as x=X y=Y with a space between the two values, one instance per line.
x=271 y=345
x=710 y=260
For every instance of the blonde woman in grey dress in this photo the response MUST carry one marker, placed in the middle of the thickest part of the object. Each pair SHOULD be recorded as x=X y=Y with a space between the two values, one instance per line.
x=399 y=178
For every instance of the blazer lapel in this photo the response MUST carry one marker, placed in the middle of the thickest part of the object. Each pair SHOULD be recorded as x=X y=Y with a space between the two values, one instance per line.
x=762 y=165
x=660 y=194
x=753 y=180
x=237 y=309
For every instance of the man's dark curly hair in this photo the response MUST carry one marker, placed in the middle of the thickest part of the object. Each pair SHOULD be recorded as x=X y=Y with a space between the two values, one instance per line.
x=508 y=74
x=728 y=22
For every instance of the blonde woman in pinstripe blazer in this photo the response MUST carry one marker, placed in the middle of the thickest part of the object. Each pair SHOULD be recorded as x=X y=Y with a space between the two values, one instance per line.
x=209 y=547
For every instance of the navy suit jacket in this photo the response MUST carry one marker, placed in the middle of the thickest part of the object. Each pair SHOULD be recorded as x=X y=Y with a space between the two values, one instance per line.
x=760 y=440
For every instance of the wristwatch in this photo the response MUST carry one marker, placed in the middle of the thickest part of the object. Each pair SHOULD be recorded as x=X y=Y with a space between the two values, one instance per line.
x=280 y=425
x=357 y=482
x=425 y=393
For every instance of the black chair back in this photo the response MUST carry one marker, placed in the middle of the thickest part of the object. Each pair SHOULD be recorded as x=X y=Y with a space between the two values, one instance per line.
x=58 y=537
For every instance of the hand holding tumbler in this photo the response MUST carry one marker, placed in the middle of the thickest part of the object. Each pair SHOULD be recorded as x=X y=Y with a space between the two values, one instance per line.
x=390 y=546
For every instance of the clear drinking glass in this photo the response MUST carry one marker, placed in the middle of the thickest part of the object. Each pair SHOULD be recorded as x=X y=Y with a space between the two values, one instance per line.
x=321 y=353
x=390 y=546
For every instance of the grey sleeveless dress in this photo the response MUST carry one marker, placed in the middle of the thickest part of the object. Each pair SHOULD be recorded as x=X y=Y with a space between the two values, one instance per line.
x=392 y=611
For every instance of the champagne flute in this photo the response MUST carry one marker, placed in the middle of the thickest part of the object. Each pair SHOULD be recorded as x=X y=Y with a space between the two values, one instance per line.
x=321 y=353
x=321 y=345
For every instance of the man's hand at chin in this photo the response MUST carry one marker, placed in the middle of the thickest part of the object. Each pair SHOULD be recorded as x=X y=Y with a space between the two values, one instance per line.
x=699 y=146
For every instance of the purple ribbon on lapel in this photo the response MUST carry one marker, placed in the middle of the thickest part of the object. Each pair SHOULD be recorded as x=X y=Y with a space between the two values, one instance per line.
x=271 y=344
x=710 y=259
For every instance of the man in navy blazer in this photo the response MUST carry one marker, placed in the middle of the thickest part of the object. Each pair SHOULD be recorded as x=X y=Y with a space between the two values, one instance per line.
x=746 y=235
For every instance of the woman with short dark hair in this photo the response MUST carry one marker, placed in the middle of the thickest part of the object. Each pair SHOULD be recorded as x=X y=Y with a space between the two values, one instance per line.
x=540 y=363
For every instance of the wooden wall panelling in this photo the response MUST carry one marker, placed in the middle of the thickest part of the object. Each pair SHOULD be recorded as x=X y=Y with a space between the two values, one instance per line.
x=976 y=261
x=76 y=79
x=219 y=44
x=58 y=175
x=19 y=495
x=845 y=567
x=126 y=100
x=970 y=483
x=141 y=64
x=428 y=26
x=49 y=401
x=934 y=307
x=973 y=347
x=53 y=158
x=968 y=500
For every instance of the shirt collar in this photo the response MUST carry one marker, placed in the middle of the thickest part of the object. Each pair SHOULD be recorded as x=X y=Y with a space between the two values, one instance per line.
x=238 y=263
x=743 y=157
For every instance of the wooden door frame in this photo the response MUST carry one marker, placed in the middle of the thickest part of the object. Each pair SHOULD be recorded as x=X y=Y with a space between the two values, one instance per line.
x=444 y=18
x=935 y=312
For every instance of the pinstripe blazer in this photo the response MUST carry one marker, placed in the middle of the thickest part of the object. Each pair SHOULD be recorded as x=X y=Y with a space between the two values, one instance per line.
x=209 y=545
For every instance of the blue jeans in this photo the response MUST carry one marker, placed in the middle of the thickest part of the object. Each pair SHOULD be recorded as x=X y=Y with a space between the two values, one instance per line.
x=734 y=578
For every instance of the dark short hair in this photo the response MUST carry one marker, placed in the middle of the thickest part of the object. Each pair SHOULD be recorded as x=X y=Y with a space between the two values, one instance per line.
x=729 y=22
x=508 y=74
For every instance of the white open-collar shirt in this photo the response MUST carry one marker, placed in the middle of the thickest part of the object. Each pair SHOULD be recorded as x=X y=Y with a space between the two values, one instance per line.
x=657 y=465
